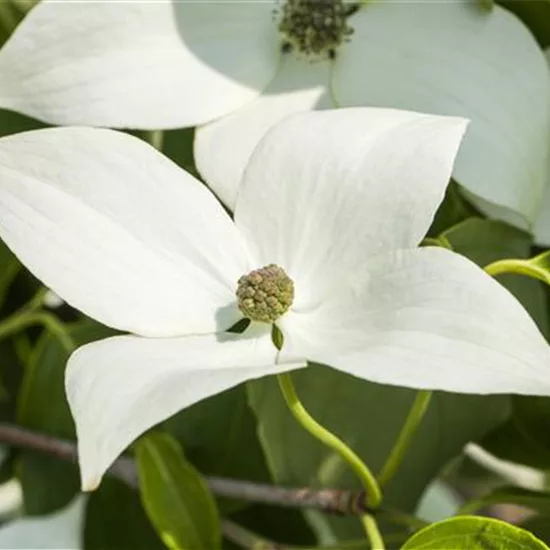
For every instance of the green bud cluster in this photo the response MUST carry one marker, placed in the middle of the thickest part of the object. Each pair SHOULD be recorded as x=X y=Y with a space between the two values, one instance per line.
x=265 y=294
x=315 y=27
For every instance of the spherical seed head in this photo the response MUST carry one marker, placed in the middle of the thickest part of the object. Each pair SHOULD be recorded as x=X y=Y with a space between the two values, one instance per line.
x=315 y=27
x=265 y=294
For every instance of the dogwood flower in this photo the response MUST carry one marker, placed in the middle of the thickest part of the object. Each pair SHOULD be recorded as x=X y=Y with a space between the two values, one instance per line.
x=542 y=225
x=61 y=530
x=330 y=210
x=239 y=67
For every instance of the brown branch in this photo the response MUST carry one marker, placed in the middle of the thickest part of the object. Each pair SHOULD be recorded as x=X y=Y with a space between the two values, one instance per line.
x=17 y=436
x=332 y=501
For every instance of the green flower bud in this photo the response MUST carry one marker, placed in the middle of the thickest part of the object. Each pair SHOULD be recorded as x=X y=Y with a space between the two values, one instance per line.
x=265 y=294
x=315 y=27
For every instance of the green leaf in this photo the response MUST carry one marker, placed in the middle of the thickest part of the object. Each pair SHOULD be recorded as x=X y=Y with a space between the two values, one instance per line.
x=9 y=266
x=524 y=438
x=9 y=18
x=485 y=241
x=286 y=526
x=11 y=374
x=214 y=433
x=539 y=526
x=531 y=415
x=176 y=499
x=469 y=533
x=42 y=402
x=178 y=146
x=115 y=520
x=536 y=500
x=536 y=15
x=367 y=416
x=13 y=123
x=453 y=210
x=48 y=483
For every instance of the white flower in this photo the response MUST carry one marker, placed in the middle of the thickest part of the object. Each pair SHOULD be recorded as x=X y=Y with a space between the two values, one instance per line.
x=61 y=530
x=542 y=226
x=338 y=199
x=164 y=64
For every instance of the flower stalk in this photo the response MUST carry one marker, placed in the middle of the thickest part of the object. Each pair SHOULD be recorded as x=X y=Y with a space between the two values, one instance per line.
x=372 y=489
x=373 y=533
x=405 y=437
x=374 y=495
x=30 y=315
x=527 y=268
x=245 y=538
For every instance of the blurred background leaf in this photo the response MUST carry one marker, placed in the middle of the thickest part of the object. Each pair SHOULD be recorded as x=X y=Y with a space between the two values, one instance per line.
x=115 y=520
x=176 y=498
x=535 y=14
x=13 y=123
x=539 y=526
x=525 y=437
x=9 y=266
x=49 y=483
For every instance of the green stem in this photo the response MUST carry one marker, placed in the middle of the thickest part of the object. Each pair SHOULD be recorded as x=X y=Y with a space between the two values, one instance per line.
x=37 y=301
x=156 y=139
x=22 y=346
x=245 y=538
x=401 y=518
x=374 y=495
x=518 y=267
x=471 y=507
x=372 y=490
x=440 y=241
x=414 y=418
x=23 y=319
x=371 y=528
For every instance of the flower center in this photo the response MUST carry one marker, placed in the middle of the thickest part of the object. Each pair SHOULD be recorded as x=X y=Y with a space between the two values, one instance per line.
x=315 y=27
x=265 y=294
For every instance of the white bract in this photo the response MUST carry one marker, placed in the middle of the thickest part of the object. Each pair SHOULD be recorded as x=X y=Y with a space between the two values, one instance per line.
x=337 y=199
x=542 y=226
x=59 y=531
x=164 y=64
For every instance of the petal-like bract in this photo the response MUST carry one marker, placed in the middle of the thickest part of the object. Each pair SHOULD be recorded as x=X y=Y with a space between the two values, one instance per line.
x=326 y=190
x=119 y=231
x=122 y=386
x=61 y=530
x=542 y=226
x=136 y=64
x=454 y=58
x=426 y=318
x=223 y=147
